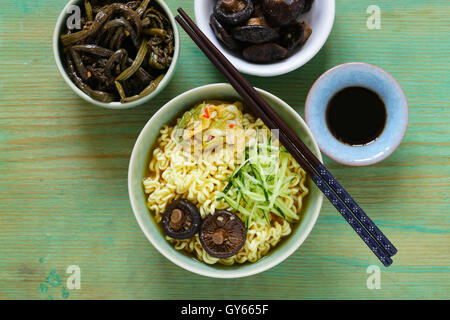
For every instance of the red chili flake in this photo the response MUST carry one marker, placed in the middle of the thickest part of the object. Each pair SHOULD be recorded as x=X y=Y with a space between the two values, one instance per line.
x=211 y=138
x=206 y=115
x=231 y=126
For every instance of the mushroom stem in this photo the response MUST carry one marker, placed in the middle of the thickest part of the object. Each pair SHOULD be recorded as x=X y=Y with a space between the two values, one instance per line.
x=257 y=21
x=177 y=216
x=232 y=5
x=218 y=237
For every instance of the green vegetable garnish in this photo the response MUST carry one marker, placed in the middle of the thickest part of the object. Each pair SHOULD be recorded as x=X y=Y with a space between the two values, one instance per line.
x=256 y=186
x=186 y=119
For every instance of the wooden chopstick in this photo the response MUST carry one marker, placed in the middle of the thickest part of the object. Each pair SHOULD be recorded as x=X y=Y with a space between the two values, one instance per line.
x=255 y=102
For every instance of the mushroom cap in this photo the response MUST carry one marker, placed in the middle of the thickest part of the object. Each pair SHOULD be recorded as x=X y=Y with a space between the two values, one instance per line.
x=255 y=34
x=181 y=220
x=222 y=234
x=222 y=34
x=265 y=52
x=294 y=35
x=308 y=5
x=233 y=17
x=282 y=12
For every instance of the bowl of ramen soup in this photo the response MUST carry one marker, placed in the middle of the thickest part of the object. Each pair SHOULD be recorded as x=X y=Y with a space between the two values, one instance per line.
x=214 y=191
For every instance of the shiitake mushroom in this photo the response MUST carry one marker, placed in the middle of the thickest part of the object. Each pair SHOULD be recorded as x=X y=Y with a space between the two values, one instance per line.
x=265 y=30
x=181 y=220
x=255 y=34
x=257 y=11
x=308 y=5
x=233 y=12
x=222 y=234
x=222 y=34
x=294 y=35
x=282 y=12
x=257 y=21
x=265 y=52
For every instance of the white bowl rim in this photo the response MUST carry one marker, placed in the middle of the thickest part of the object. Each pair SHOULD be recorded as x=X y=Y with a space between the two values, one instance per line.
x=235 y=273
x=255 y=69
x=115 y=105
x=351 y=162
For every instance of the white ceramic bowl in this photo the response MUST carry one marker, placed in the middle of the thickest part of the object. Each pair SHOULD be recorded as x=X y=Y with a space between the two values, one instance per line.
x=320 y=19
x=139 y=162
x=60 y=24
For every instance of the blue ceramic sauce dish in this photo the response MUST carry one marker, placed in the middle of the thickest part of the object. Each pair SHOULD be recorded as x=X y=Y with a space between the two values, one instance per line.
x=356 y=74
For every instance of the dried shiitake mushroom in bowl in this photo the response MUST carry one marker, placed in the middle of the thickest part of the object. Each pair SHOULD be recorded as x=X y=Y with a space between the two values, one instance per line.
x=266 y=37
x=267 y=22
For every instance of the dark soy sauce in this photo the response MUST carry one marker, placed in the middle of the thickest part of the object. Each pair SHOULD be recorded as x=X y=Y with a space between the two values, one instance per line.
x=356 y=115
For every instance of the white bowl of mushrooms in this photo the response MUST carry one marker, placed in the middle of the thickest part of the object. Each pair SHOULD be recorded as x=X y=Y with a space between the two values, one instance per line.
x=266 y=37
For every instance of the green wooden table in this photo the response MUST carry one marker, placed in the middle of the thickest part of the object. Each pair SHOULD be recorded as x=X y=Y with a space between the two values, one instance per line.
x=63 y=171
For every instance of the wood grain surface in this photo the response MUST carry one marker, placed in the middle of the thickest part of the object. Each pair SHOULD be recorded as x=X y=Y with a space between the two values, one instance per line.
x=63 y=170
